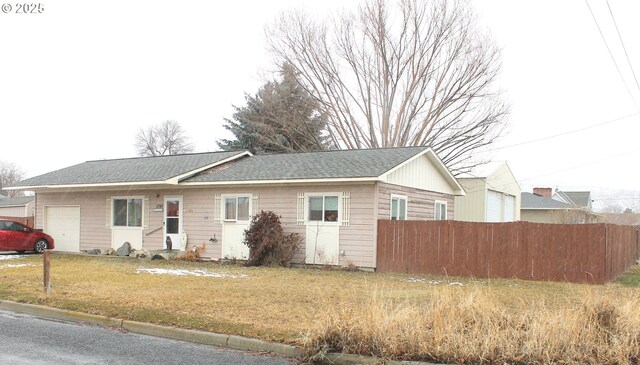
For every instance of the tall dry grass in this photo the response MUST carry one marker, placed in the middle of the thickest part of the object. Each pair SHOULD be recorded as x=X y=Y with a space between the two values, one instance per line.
x=471 y=325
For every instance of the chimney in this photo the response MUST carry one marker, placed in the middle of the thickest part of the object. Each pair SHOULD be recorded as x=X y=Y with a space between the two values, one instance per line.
x=546 y=192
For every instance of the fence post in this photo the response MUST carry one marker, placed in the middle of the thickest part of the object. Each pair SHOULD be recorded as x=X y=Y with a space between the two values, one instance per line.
x=46 y=267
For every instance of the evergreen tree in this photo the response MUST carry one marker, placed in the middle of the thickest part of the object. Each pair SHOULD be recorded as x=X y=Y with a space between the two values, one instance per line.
x=282 y=117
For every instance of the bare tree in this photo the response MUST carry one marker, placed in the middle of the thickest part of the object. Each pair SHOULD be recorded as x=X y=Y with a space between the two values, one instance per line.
x=421 y=74
x=10 y=174
x=167 y=138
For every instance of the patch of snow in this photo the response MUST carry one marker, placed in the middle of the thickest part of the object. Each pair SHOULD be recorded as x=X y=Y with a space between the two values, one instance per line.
x=182 y=272
x=432 y=282
x=10 y=257
x=15 y=265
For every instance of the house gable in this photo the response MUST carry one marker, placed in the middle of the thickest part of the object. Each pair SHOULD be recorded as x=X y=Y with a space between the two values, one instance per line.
x=426 y=172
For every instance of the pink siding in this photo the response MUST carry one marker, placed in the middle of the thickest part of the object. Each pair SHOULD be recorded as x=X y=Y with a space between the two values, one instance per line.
x=420 y=203
x=357 y=239
x=93 y=232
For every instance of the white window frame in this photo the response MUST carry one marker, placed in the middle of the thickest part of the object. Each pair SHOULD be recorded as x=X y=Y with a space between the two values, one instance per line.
x=406 y=204
x=307 y=206
x=223 y=203
x=435 y=210
x=142 y=207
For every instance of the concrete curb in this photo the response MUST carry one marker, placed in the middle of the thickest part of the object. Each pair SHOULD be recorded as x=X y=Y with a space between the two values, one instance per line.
x=60 y=314
x=207 y=338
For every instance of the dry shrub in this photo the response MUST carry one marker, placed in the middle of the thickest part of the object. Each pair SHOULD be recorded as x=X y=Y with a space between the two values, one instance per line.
x=267 y=242
x=469 y=325
x=192 y=254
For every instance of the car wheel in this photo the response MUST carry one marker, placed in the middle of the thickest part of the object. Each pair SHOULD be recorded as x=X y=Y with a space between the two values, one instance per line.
x=40 y=246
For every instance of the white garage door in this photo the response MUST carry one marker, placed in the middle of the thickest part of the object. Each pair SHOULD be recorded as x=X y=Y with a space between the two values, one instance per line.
x=509 y=211
x=494 y=206
x=63 y=224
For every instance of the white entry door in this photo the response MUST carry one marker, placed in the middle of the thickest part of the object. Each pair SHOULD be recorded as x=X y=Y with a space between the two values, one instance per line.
x=323 y=230
x=236 y=219
x=173 y=222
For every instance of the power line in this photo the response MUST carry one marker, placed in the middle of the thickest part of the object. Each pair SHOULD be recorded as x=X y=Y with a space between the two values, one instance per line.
x=623 y=46
x=611 y=55
x=579 y=166
x=565 y=133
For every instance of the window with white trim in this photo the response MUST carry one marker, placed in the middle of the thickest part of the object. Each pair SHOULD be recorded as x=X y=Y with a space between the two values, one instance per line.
x=323 y=208
x=440 y=210
x=398 y=208
x=127 y=212
x=236 y=208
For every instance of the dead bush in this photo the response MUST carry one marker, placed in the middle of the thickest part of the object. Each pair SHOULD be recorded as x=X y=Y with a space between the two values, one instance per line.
x=192 y=254
x=267 y=242
x=472 y=326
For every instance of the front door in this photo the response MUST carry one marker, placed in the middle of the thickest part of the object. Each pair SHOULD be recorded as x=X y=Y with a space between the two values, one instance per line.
x=236 y=219
x=323 y=231
x=172 y=222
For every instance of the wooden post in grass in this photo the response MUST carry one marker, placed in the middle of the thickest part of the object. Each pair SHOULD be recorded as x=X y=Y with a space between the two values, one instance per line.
x=47 y=276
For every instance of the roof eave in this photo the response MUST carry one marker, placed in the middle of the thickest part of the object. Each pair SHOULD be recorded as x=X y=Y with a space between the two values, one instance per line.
x=98 y=185
x=287 y=181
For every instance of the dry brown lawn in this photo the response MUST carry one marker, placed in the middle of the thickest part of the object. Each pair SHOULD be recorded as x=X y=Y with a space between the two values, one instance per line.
x=390 y=315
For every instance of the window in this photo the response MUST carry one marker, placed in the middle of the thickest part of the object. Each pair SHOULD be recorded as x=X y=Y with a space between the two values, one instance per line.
x=236 y=208
x=398 y=208
x=441 y=211
x=127 y=212
x=323 y=208
x=11 y=226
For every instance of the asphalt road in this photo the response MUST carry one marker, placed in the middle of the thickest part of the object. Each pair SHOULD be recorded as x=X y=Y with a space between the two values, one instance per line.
x=25 y=339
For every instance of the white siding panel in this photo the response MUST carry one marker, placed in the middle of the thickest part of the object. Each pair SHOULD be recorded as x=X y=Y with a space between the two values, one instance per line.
x=471 y=207
x=12 y=212
x=421 y=173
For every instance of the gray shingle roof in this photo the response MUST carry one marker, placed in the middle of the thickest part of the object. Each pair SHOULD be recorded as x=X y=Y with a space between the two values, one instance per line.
x=295 y=166
x=22 y=200
x=579 y=198
x=533 y=201
x=144 y=169
x=312 y=165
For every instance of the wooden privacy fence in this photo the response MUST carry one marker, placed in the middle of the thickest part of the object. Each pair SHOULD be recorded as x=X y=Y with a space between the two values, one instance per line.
x=27 y=221
x=579 y=253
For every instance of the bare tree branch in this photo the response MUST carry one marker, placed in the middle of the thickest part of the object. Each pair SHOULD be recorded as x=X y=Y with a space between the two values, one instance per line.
x=10 y=174
x=419 y=73
x=167 y=138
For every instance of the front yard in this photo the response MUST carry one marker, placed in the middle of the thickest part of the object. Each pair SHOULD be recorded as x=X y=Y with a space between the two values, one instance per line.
x=390 y=315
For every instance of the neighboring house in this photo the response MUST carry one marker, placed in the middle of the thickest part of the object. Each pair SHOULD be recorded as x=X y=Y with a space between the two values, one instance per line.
x=580 y=199
x=541 y=207
x=333 y=199
x=492 y=195
x=17 y=207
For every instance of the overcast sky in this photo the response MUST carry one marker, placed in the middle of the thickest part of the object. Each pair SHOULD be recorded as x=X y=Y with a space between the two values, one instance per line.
x=80 y=79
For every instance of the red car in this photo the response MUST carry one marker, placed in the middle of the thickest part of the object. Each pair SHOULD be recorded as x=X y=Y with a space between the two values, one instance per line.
x=15 y=236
